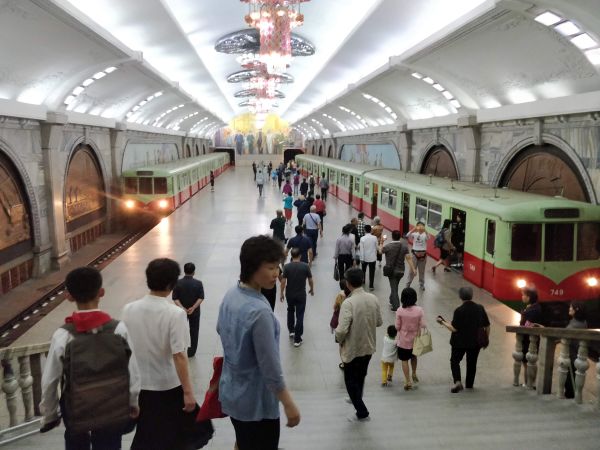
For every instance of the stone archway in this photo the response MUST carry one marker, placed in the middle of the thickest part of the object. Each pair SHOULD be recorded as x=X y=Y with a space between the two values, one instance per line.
x=312 y=152
x=321 y=150
x=197 y=150
x=545 y=170
x=440 y=163
x=330 y=151
x=204 y=149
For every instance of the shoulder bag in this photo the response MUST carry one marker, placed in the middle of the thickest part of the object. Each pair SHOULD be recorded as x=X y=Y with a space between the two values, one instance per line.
x=422 y=343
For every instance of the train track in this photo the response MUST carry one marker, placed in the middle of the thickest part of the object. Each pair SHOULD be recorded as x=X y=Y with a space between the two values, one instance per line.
x=16 y=327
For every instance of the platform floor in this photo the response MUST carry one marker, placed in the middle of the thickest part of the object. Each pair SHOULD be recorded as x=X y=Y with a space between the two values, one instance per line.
x=209 y=229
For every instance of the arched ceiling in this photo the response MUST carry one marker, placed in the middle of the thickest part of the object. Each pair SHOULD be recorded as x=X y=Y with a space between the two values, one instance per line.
x=489 y=59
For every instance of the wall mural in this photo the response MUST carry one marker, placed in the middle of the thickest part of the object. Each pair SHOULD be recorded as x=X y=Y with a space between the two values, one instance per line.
x=378 y=155
x=15 y=227
x=84 y=187
x=147 y=154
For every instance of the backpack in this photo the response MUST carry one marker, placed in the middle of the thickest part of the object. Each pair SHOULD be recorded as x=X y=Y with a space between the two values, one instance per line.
x=95 y=380
x=440 y=240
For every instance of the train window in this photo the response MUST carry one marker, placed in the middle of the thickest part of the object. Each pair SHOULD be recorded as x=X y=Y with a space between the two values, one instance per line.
x=160 y=185
x=559 y=242
x=393 y=199
x=434 y=217
x=385 y=195
x=131 y=185
x=588 y=241
x=367 y=190
x=145 y=185
x=421 y=210
x=526 y=243
x=490 y=242
x=357 y=185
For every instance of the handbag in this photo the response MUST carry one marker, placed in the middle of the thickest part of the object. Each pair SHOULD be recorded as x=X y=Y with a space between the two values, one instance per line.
x=422 y=343
x=336 y=272
x=196 y=434
x=211 y=407
x=483 y=339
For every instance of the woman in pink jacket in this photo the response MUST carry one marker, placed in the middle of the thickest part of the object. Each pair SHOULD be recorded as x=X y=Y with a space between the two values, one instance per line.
x=409 y=321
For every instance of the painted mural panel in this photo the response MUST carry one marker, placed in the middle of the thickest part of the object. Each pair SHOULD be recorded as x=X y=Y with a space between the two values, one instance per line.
x=15 y=225
x=84 y=187
x=142 y=154
x=379 y=155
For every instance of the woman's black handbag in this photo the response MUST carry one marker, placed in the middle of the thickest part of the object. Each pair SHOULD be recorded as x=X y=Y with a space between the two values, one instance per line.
x=336 y=272
x=197 y=434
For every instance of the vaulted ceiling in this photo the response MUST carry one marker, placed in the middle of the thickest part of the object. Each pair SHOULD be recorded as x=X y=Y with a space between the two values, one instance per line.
x=378 y=63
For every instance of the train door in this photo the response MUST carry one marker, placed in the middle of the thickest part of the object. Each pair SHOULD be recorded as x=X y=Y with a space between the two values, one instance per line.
x=350 y=189
x=374 y=193
x=488 y=256
x=405 y=213
x=459 y=228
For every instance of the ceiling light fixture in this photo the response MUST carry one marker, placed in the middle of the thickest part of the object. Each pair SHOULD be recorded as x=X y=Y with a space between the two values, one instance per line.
x=142 y=103
x=548 y=18
x=69 y=101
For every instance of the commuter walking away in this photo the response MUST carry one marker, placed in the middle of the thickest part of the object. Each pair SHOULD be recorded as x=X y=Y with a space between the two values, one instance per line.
x=301 y=242
x=320 y=209
x=388 y=356
x=578 y=321
x=296 y=183
x=189 y=295
x=302 y=205
x=368 y=255
x=252 y=383
x=90 y=339
x=273 y=175
x=278 y=226
x=360 y=225
x=410 y=320
x=287 y=188
x=212 y=181
x=311 y=185
x=254 y=169
x=354 y=232
x=293 y=288
x=324 y=185
x=345 y=250
x=288 y=206
x=304 y=187
x=396 y=254
x=419 y=239
x=356 y=333
x=444 y=242
x=467 y=323
x=269 y=169
x=260 y=181
x=312 y=228
x=377 y=231
x=279 y=178
x=160 y=335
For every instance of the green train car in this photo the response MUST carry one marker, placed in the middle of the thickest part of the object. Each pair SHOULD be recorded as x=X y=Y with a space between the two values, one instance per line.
x=162 y=188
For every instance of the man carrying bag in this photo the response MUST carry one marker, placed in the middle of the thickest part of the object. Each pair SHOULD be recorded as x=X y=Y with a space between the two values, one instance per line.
x=396 y=253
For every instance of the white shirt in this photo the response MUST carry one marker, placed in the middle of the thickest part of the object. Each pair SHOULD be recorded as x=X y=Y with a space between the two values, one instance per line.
x=419 y=240
x=53 y=370
x=389 y=352
x=159 y=330
x=368 y=248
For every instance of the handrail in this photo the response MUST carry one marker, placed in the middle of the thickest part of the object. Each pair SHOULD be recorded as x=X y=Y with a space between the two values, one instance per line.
x=25 y=350
x=566 y=333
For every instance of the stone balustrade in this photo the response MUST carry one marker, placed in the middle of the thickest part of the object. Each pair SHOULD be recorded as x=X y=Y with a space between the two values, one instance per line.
x=540 y=359
x=28 y=383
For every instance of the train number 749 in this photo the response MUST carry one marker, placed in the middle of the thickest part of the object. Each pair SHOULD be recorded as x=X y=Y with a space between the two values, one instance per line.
x=557 y=292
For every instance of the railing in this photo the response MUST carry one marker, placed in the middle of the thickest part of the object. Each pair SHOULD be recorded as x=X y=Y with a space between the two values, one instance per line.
x=540 y=359
x=23 y=419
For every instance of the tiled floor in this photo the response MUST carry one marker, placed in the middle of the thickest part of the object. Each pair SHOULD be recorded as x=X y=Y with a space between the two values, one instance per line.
x=209 y=229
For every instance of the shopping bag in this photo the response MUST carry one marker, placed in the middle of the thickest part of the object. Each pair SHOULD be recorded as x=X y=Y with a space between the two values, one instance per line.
x=422 y=343
x=336 y=272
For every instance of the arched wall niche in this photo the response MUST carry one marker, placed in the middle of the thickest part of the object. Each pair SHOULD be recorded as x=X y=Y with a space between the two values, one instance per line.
x=330 y=151
x=439 y=162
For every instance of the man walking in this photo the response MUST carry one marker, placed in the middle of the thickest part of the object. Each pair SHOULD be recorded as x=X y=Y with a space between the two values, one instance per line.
x=304 y=187
x=189 y=295
x=293 y=287
x=367 y=249
x=278 y=226
x=396 y=253
x=302 y=243
x=356 y=333
x=324 y=185
x=260 y=181
x=312 y=228
x=254 y=169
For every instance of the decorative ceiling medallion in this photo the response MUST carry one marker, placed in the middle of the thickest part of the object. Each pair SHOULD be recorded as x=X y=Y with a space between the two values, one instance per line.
x=248 y=41
x=248 y=75
x=245 y=93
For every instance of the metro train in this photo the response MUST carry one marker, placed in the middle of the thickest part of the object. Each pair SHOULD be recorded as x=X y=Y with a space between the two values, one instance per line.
x=512 y=238
x=162 y=188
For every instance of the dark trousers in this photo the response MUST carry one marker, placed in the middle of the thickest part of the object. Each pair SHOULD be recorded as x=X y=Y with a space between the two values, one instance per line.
x=258 y=435
x=313 y=235
x=324 y=194
x=194 y=323
x=344 y=263
x=161 y=420
x=569 y=387
x=371 y=266
x=260 y=189
x=355 y=372
x=295 y=317
x=394 y=282
x=456 y=358
x=96 y=439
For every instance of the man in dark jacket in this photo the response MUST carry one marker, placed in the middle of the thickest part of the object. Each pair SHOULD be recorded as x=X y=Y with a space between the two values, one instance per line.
x=303 y=207
x=303 y=187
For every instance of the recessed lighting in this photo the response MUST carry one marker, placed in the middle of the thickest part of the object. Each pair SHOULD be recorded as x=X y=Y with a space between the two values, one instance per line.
x=394 y=116
x=438 y=87
x=367 y=96
x=180 y=106
x=417 y=75
x=455 y=103
x=567 y=28
x=548 y=18
x=448 y=95
x=99 y=75
x=110 y=69
x=69 y=99
x=428 y=80
x=158 y=94
x=593 y=56
x=78 y=90
x=584 y=41
x=87 y=82
x=143 y=102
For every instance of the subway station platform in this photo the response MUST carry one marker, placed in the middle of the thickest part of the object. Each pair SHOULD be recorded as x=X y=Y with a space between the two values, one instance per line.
x=209 y=229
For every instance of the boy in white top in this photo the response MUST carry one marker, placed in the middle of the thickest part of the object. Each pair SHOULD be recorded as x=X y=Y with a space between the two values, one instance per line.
x=389 y=355
x=160 y=332
x=367 y=248
x=418 y=237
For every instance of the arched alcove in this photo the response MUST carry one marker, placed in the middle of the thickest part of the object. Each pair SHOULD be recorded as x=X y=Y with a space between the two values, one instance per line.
x=330 y=151
x=439 y=162
x=204 y=149
x=197 y=150
x=320 y=150
x=545 y=170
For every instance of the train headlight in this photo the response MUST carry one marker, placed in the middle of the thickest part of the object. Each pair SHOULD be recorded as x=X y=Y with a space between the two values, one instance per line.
x=163 y=204
x=521 y=283
x=129 y=204
x=592 y=281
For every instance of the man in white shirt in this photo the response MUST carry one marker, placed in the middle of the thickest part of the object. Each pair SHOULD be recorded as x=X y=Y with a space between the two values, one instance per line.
x=419 y=253
x=367 y=249
x=160 y=334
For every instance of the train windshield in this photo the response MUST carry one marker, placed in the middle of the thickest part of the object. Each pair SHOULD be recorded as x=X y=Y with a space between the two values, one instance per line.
x=130 y=185
x=160 y=185
x=588 y=241
x=526 y=243
x=559 y=242
x=145 y=185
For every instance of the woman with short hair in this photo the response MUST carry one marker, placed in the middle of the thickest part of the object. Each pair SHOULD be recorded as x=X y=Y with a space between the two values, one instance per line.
x=409 y=321
x=377 y=231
